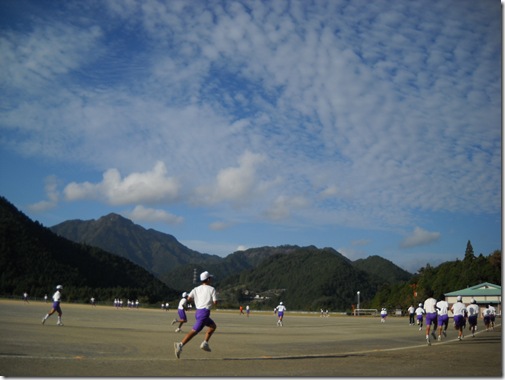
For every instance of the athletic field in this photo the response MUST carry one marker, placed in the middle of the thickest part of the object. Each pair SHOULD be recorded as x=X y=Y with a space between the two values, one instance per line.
x=104 y=341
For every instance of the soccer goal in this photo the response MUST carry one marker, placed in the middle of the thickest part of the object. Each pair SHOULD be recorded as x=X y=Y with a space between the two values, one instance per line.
x=372 y=312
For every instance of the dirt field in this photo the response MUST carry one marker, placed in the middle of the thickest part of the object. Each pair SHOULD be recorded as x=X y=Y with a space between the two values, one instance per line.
x=102 y=341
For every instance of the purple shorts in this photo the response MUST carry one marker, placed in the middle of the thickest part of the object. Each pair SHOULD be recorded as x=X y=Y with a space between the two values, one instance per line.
x=202 y=319
x=487 y=319
x=443 y=320
x=56 y=306
x=472 y=320
x=182 y=315
x=420 y=317
x=280 y=314
x=431 y=318
x=459 y=321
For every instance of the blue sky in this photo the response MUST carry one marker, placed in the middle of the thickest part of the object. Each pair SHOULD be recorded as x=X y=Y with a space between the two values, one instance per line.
x=373 y=128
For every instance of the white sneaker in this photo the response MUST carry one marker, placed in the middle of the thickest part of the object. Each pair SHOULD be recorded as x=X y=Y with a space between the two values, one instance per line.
x=43 y=320
x=59 y=324
x=428 y=341
x=174 y=321
x=205 y=346
x=445 y=334
x=178 y=349
x=177 y=330
x=439 y=338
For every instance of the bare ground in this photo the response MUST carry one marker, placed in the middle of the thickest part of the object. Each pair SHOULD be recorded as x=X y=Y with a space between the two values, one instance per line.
x=103 y=341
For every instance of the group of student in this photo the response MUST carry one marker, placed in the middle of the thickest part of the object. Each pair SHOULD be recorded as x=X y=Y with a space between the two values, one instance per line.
x=437 y=314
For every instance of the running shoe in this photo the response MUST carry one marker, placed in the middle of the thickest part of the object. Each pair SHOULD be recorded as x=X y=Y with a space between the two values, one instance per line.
x=445 y=334
x=177 y=330
x=174 y=321
x=205 y=346
x=59 y=324
x=439 y=338
x=434 y=335
x=43 y=320
x=428 y=341
x=178 y=349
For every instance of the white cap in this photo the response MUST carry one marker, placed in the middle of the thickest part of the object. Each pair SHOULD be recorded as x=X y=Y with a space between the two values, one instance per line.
x=420 y=304
x=184 y=294
x=205 y=275
x=59 y=287
x=280 y=303
x=458 y=298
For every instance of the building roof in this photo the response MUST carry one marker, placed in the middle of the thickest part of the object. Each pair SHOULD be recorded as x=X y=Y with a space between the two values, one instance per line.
x=484 y=289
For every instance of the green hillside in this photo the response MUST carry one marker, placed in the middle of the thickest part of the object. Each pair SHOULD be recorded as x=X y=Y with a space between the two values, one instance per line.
x=35 y=260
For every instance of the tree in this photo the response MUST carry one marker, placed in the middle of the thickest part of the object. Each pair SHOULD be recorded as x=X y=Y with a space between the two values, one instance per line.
x=469 y=256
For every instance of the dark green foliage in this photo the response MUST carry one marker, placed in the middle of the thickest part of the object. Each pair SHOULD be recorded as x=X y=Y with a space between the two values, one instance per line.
x=228 y=267
x=383 y=269
x=35 y=260
x=445 y=278
x=306 y=279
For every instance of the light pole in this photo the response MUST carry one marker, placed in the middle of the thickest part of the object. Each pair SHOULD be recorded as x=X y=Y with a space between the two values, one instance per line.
x=358 y=302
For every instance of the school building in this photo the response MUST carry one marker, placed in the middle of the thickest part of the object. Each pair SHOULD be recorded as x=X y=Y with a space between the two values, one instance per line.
x=485 y=294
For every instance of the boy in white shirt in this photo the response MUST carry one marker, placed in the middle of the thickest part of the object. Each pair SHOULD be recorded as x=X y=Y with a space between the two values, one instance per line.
x=443 y=318
x=204 y=297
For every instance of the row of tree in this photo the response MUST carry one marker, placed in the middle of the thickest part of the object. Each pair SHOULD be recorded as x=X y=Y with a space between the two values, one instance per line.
x=444 y=278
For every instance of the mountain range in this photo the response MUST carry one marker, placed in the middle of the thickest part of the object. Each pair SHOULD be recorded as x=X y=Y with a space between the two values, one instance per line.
x=328 y=275
x=113 y=257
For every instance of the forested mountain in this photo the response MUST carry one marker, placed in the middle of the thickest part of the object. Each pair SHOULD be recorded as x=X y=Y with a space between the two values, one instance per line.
x=306 y=279
x=155 y=251
x=35 y=260
x=174 y=263
x=383 y=269
x=231 y=265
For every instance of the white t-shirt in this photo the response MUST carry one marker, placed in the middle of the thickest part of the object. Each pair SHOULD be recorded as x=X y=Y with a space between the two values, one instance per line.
x=281 y=308
x=411 y=310
x=472 y=309
x=419 y=311
x=458 y=308
x=429 y=305
x=204 y=296
x=182 y=304
x=492 y=310
x=57 y=296
x=443 y=307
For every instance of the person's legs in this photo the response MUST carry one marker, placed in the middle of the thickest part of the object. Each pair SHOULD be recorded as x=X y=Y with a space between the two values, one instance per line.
x=210 y=331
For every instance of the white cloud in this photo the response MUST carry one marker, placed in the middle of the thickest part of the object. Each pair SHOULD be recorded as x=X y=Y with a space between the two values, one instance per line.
x=51 y=187
x=419 y=237
x=143 y=214
x=219 y=226
x=332 y=119
x=150 y=187
x=238 y=185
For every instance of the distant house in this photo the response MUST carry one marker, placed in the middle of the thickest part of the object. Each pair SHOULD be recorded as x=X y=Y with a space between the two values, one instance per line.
x=485 y=293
